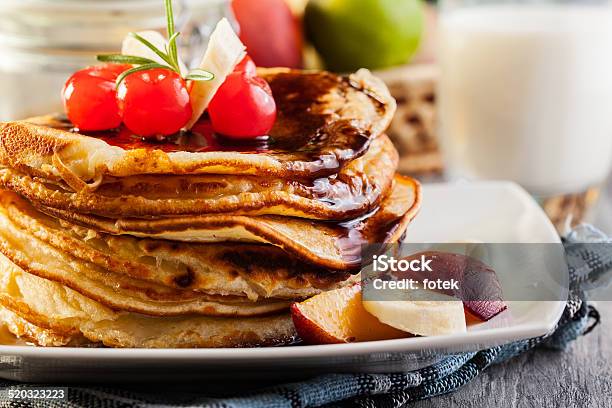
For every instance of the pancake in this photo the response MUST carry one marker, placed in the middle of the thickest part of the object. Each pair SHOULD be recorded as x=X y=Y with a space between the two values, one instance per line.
x=64 y=312
x=116 y=290
x=323 y=122
x=355 y=190
x=335 y=246
x=119 y=291
x=254 y=271
x=27 y=331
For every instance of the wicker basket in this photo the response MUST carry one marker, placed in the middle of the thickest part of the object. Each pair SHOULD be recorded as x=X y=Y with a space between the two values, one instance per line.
x=413 y=129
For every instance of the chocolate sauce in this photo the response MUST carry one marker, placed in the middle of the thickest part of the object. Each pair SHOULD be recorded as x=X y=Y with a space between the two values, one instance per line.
x=375 y=227
x=305 y=124
x=299 y=119
x=201 y=138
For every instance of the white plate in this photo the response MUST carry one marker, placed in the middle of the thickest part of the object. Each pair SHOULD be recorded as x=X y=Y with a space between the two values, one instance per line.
x=491 y=212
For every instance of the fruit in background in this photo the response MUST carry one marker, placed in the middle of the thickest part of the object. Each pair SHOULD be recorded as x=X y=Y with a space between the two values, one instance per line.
x=272 y=34
x=154 y=102
x=421 y=312
x=243 y=107
x=297 y=6
x=89 y=97
x=353 y=34
x=338 y=316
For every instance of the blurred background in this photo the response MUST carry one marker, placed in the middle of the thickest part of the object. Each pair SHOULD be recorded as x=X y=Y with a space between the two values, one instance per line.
x=432 y=57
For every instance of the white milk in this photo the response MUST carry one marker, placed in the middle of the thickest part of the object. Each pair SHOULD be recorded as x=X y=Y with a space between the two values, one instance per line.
x=526 y=94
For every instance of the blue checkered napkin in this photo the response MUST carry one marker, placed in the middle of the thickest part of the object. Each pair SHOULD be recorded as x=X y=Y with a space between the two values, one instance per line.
x=587 y=264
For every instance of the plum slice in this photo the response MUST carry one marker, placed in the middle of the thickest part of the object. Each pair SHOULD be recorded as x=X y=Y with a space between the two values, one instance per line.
x=478 y=285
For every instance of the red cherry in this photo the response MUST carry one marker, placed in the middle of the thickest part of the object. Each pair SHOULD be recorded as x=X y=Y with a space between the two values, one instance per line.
x=89 y=97
x=110 y=71
x=243 y=107
x=154 y=102
x=247 y=66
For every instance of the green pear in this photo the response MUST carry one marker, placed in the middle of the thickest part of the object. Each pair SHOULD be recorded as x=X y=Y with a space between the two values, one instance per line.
x=375 y=34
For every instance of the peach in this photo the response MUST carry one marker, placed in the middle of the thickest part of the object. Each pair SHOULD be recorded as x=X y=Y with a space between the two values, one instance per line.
x=338 y=316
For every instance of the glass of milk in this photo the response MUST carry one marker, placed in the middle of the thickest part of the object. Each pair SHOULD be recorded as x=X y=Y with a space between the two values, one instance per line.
x=525 y=92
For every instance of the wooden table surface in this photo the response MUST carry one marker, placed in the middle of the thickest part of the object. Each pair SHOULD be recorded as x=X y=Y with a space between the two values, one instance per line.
x=578 y=377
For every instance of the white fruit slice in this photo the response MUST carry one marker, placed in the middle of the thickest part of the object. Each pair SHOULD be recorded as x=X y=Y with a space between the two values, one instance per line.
x=421 y=312
x=131 y=46
x=224 y=52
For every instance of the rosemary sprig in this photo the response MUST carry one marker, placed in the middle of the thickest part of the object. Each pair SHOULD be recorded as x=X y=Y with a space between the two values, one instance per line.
x=124 y=59
x=172 y=50
x=169 y=56
x=143 y=67
x=199 y=75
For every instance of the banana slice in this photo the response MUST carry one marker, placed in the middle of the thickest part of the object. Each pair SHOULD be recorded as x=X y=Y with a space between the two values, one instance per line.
x=131 y=46
x=224 y=52
x=420 y=312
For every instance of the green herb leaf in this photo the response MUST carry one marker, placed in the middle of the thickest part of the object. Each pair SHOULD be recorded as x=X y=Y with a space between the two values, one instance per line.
x=144 y=67
x=153 y=48
x=124 y=59
x=169 y=54
x=199 y=75
x=173 y=51
x=170 y=21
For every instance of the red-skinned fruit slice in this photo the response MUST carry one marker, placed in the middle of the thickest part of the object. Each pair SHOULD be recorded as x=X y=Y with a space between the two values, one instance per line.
x=89 y=97
x=471 y=318
x=338 y=316
x=479 y=288
x=154 y=102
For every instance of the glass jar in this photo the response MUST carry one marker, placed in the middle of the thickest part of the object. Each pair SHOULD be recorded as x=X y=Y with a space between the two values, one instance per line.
x=42 y=42
x=201 y=17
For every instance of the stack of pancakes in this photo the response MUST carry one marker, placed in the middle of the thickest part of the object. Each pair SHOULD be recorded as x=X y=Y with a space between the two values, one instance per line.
x=196 y=241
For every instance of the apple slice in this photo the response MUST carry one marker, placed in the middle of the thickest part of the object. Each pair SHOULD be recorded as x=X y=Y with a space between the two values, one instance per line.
x=421 y=312
x=224 y=52
x=338 y=316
